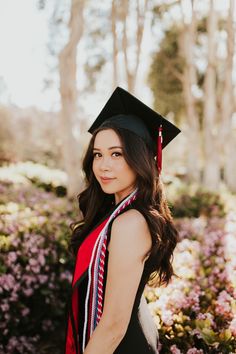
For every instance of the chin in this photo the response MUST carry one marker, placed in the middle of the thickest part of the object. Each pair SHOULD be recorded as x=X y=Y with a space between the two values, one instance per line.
x=108 y=190
x=111 y=189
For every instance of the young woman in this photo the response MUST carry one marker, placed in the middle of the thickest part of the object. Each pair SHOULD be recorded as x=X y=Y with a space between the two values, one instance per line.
x=126 y=238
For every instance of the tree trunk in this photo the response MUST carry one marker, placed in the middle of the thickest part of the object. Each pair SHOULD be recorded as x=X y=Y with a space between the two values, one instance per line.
x=141 y=14
x=68 y=91
x=189 y=81
x=115 y=48
x=124 y=15
x=211 y=173
x=227 y=133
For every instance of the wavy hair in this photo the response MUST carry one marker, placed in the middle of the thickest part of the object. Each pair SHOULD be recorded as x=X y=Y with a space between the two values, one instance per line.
x=151 y=202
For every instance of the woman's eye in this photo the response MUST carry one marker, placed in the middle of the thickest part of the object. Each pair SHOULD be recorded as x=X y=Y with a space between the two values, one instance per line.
x=96 y=154
x=116 y=154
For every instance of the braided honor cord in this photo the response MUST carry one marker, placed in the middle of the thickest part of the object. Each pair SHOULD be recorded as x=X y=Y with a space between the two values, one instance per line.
x=96 y=272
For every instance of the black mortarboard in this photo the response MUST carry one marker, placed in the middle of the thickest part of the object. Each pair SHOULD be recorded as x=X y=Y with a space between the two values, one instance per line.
x=127 y=112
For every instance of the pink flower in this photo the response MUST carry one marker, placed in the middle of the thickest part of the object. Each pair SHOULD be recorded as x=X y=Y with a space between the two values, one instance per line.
x=223 y=304
x=47 y=325
x=66 y=275
x=232 y=326
x=194 y=351
x=5 y=307
x=14 y=297
x=33 y=262
x=5 y=332
x=41 y=259
x=12 y=257
x=25 y=311
x=28 y=292
x=167 y=317
x=43 y=278
x=208 y=316
x=175 y=350
x=35 y=269
x=29 y=279
x=13 y=343
x=7 y=282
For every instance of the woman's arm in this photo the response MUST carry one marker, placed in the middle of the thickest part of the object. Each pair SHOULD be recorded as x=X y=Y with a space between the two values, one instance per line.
x=130 y=241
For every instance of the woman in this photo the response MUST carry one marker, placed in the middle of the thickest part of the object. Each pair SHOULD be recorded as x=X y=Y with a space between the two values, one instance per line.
x=127 y=235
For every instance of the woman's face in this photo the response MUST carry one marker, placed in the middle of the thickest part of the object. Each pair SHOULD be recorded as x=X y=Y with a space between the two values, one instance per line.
x=110 y=167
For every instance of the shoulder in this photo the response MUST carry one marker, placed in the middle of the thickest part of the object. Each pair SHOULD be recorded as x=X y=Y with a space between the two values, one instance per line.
x=130 y=219
x=131 y=228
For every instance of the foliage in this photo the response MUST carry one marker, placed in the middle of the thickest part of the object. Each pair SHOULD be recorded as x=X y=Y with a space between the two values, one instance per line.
x=166 y=86
x=35 y=270
x=196 y=312
x=201 y=202
x=51 y=180
x=29 y=134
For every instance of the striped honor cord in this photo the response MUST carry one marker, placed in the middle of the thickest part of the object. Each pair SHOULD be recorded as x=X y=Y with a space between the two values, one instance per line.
x=96 y=273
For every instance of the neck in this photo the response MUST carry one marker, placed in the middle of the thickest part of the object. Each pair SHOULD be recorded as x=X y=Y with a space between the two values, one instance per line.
x=121 y=196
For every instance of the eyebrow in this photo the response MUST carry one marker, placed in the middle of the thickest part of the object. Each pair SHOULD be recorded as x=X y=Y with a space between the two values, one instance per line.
x=110 y=148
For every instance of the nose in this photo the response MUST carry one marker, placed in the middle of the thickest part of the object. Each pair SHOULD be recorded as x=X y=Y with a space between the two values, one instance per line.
x=105 y=164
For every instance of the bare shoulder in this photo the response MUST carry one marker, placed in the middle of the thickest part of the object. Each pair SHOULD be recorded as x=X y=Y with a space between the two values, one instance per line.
x=131 y=228
x=131 y=218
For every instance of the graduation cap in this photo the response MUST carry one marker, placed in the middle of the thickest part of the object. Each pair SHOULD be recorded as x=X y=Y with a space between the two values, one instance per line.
x=125 y=111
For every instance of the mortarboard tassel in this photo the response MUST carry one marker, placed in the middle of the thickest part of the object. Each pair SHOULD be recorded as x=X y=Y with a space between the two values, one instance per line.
x=159 y=150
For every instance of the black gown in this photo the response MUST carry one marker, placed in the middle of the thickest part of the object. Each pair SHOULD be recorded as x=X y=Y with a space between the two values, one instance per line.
x=141 y=336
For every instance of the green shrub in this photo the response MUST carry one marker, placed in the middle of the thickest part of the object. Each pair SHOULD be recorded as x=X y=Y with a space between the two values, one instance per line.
x=189 y=204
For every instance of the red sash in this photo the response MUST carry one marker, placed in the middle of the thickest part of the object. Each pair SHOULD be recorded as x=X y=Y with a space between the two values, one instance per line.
x=81 y=266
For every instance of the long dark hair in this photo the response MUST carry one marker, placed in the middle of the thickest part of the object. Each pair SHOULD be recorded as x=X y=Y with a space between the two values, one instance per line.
x=151 y=202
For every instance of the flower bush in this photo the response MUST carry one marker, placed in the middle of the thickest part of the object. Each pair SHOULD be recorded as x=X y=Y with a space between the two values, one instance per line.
x=195 y=203
x=196 y=312
x=41 y=176
x=35 y=270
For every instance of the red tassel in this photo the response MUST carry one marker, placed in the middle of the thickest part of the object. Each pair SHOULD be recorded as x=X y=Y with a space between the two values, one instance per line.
x=159 y=150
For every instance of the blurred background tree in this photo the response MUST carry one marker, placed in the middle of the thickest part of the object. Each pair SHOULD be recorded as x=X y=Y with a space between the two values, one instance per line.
x=192 y=78
x=188 y=66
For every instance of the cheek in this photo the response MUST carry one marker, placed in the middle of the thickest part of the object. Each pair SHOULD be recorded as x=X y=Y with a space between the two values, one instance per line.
x=120 y=166
x=94 y=167
x=132 y=176
x=126 y=171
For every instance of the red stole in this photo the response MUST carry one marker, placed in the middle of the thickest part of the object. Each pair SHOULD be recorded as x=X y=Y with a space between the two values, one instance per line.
x=81 y=266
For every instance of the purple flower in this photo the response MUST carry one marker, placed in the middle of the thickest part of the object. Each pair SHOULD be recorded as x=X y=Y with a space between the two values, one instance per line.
x=28 y=292
x=41 y=259
x=167 y=318
x=33 y=262
x=175 y=350
x=43 y=278
x=232 y=326
x=5 y=307
x=66 y=275
x=47 y=325
x=12 y=257
x=223 y=304
x=195 y=351
x=7 y=282
x=25 y=311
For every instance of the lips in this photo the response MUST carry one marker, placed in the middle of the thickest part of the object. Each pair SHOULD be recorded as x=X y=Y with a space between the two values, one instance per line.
x=106 y=179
